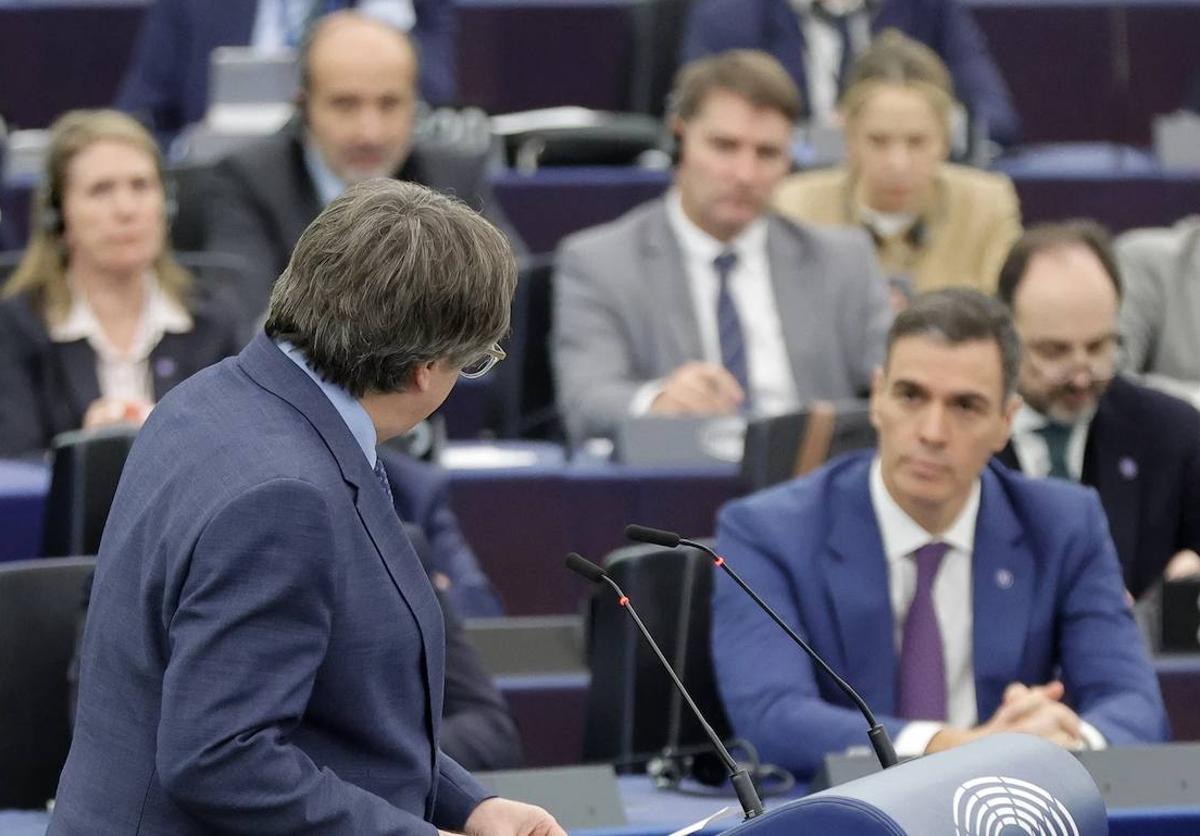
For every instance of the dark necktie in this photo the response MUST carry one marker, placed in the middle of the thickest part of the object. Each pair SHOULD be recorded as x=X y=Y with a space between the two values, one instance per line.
x=381 y=474
x=1058 y=439
x=846 y=62
x=922 y=681
x=729 y=326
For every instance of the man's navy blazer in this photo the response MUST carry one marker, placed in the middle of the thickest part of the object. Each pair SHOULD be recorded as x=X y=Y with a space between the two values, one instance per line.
x=1143 y=458
x=945 y=26
x=1048 y=603
x=166 y=84
x=264 y=652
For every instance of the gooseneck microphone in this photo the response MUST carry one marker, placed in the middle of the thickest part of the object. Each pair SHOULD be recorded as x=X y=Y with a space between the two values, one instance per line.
x=740 y=778
x=880 y=742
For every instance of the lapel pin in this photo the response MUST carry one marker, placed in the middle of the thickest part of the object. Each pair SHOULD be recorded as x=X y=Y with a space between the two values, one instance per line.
x=1004 y=578
x=164 y=367
x=1128 y=468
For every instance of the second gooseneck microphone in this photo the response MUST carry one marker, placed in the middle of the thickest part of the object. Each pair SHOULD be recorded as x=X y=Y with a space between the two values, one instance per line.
x=740 y=778
x=880 y=742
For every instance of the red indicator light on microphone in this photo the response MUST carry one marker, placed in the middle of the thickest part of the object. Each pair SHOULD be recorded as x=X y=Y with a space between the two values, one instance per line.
x=624 y=602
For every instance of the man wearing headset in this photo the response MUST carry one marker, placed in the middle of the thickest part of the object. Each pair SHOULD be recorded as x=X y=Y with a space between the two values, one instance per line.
x=357 y=102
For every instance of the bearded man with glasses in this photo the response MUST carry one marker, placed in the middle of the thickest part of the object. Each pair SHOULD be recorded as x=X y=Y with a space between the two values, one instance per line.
x=1139 y=448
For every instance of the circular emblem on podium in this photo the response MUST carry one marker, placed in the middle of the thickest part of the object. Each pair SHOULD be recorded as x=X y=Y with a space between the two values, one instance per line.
x=998 y=806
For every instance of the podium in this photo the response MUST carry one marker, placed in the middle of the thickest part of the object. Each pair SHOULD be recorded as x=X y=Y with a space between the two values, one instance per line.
x=1004 y=785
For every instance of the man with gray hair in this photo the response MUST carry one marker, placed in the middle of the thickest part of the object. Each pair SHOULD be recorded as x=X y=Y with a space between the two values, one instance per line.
x=264 y=652
x=959 y=598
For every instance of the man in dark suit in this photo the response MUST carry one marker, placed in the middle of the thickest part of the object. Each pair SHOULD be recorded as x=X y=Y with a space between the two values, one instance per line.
x=356 y=108
x=843 y=27
x=264 y=652
x=705 y=302
x=1139 y=448
x=959 y=598
x=166 y=85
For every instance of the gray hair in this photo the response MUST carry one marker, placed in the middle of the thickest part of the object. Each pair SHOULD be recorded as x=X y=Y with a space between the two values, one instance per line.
x=389 y=276
x=959 y=315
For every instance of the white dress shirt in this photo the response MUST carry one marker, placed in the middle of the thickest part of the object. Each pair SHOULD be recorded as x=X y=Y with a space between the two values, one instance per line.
x=772 y=384
x=823 y=55
x=124 y=374
x=952 y=602
x=1033 y=453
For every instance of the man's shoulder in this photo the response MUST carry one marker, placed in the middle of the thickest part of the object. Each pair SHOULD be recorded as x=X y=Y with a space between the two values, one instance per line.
x=1150 y=412
x=811 y=242
x=619 y=232
x=264 y=160
x=814 y=495
x=1160 y=242
x=1050 y=504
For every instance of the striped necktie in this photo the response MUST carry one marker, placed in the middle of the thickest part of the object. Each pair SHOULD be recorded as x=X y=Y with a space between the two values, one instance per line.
x=729 y=326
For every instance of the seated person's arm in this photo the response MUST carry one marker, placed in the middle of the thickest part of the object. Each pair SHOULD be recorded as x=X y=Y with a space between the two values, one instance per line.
x=767 y=684
x=22 y=426
x=593 y=359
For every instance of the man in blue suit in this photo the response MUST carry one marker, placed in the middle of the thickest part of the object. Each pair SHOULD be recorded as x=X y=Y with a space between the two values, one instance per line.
x=959 y=598
x=166 y=84
x=264 y=653
x=825 y=35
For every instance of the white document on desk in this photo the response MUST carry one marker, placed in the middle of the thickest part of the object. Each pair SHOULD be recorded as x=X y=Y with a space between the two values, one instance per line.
x=703 y=823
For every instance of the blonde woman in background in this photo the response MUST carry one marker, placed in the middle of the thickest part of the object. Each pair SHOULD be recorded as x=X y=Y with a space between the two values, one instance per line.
x=98 y=321
x=934 y=224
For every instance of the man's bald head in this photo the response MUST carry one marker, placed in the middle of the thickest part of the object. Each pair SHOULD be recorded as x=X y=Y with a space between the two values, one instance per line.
x=359 y=94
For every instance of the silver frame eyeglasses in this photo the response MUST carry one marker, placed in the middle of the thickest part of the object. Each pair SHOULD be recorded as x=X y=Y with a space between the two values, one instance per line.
x=484 y=363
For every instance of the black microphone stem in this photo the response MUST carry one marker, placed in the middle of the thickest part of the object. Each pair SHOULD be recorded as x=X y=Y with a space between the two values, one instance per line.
x=884 y=750
x=742 y=784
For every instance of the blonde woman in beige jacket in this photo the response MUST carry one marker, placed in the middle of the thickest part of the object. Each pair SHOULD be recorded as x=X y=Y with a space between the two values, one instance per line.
x=935 y=224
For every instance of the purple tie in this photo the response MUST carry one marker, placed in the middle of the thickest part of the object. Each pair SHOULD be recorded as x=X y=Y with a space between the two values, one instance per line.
x=922 y=691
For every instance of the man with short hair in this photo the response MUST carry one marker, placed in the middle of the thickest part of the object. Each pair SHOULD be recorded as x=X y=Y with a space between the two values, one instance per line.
x=818 y=41
x=1139 y=448
x=357 y=104
x=960 y=599
x=264 y=652
x=704 y=302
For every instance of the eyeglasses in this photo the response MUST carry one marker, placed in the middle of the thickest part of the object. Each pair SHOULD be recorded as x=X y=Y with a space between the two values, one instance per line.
x=484 y=363
x=1058 y=362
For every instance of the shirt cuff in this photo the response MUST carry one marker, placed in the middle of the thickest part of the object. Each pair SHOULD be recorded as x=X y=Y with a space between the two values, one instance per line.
x=1092 y=738
x=644 y=397
x=914 y=738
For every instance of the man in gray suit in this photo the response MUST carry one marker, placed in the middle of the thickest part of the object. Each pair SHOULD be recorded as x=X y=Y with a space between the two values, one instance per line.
x=357 y=104
x=1160 y=312
x=703 y=302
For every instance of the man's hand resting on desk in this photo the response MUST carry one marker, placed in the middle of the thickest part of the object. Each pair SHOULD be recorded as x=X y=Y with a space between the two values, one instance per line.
x=502 y=817
x=699 y=389
x=1034 y=709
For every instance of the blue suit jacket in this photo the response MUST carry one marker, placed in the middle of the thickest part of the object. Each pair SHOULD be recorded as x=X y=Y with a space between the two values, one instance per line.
x=166 y=84
x=264 y=652
x=1048 y=602
x=945 y=26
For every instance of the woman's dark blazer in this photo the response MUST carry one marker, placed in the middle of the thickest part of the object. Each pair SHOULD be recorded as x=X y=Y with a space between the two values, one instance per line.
x=46 y=387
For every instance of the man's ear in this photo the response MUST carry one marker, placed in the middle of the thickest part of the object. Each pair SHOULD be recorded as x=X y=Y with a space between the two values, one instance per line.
x=422 y=376
x=301 y=103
